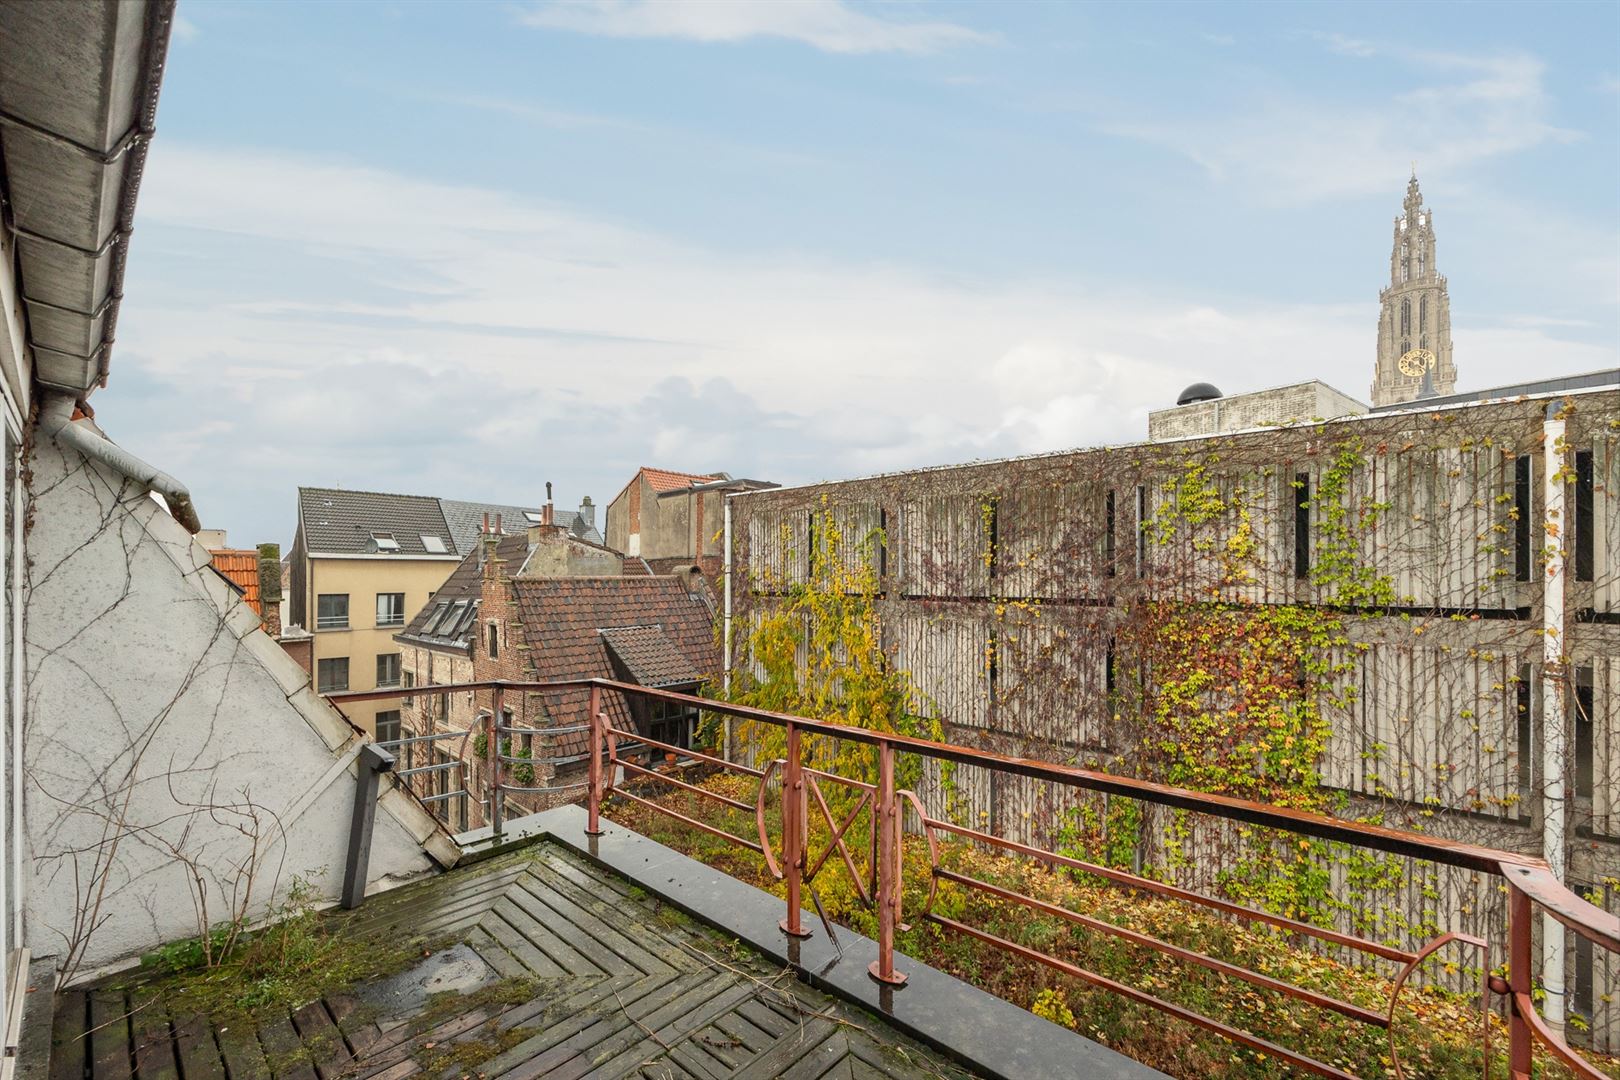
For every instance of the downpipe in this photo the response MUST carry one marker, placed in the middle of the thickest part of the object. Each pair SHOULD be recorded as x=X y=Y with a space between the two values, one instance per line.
x=1555 y=711
x=56 y=420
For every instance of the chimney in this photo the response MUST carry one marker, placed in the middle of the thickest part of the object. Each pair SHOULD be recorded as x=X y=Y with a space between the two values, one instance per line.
x=587 y=512
x=486 y=548
x=270 y=588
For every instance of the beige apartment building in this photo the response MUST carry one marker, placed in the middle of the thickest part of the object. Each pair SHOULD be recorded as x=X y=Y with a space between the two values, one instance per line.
x=364 y=562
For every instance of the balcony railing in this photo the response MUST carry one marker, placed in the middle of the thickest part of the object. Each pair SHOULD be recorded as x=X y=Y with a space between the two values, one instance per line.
x=1529 y=882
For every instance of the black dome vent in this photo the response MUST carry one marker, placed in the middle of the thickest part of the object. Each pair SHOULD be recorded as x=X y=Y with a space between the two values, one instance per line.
x=1198 y=391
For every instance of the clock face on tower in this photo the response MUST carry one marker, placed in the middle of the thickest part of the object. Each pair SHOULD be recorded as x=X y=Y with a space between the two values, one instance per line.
x=1414 y=362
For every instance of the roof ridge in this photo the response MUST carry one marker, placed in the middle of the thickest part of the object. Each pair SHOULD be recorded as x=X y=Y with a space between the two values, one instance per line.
x=361 y=491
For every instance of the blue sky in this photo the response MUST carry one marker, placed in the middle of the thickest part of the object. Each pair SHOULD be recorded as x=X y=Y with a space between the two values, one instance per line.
x=465 y=249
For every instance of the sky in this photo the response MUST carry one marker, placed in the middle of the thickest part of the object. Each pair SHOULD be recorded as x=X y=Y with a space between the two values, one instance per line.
x=466 y=249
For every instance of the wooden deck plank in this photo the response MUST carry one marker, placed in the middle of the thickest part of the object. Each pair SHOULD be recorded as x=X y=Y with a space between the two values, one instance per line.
x=611 y=1016
x=283 y=1050
x=107 y=1040
x=672 y=1023
x=569 y=898
x=620 y=993
x=151 y=1042
x=328 y=1051
x=196 y=1050
x=493 y=953
x=789 y=1049
x=243 y=1056
x=509 y=926
x=588 y=933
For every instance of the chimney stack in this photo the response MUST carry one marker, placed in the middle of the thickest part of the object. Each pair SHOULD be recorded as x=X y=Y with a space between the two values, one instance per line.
x=587 y=512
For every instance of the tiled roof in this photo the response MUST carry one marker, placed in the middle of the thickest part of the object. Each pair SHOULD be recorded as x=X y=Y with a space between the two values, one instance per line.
x=562 y=619
x=440 y=622
x=341 y=522
x=667 y=480
x=467 y=518
x=240 y=568
x=649 y=656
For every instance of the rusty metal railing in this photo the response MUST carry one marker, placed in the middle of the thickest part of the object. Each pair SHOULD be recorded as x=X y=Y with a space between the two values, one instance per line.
x=1529 y=882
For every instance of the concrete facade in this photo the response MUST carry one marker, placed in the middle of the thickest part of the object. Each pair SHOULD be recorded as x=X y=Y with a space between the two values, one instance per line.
x=1300 y=403
x=166 y=733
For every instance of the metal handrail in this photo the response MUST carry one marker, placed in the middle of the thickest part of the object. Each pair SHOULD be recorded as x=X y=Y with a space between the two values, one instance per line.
x=1530 y=882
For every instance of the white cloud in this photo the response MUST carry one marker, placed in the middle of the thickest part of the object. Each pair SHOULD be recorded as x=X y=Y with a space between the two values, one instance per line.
x=830 y=25
x=1454 y=112
x=376 y=329
x=185 y=30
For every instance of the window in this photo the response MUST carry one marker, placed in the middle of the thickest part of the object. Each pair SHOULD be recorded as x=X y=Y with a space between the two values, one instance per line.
x=433 y=620
x=1583 y=516
x=1108 y=533
x=388 y=726
x=494 y=641
x=1583 y=732
x=332 y=674
x=384 y=542
x=408 y=680
x=433 y=545
x=332 y=611
x=1141 y=532
x=674 y=722
x=1302 y=526
x=1406 y=317
x=388 y=669
x=1521 y=706
x=1582 y=1002
x=1423 y=313
x=1521 y=518
x=390 y=609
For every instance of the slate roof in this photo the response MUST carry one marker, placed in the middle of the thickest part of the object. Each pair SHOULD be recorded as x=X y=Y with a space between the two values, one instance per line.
x=562 y=620
x=467 y=518
x=240 y=567
x=649 y=656
x=340 y=521
x=430 y=626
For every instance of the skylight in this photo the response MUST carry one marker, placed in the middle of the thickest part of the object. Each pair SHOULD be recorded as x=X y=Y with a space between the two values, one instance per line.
x=434 y=545
x=385 y=541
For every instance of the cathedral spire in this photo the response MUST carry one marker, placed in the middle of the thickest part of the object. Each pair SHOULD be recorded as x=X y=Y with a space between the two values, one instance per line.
x=1414 y=325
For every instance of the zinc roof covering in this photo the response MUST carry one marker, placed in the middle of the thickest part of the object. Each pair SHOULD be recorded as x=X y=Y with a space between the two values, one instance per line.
x=341 y=521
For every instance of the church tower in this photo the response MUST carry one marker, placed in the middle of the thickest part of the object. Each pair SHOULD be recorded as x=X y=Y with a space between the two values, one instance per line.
x=1414 y=322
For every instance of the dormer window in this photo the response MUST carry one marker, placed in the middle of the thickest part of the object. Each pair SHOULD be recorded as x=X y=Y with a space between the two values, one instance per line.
x=434 y=545
x=384 y=542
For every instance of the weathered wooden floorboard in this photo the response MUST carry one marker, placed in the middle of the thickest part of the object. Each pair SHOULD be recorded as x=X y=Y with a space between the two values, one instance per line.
x=607 y=987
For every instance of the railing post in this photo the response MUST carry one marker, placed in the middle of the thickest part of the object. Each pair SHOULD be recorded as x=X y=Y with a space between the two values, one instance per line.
x=794 y=816
x=887 y=808
x=593 y=825
x=1519 y=948
x=493 y=761
x=372 y=762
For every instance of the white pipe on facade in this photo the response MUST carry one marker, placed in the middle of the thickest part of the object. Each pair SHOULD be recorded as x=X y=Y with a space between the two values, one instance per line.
x=725 y=620
x=56 y=420
x=1554 y=701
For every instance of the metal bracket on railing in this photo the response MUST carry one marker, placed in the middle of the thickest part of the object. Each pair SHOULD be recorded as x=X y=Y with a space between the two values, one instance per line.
x=371 y=763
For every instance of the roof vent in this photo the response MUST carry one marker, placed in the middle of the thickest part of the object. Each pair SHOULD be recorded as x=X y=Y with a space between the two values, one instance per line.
x=1198 y=391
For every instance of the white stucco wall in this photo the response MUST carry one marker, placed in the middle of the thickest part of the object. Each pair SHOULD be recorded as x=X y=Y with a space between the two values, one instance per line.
x=151 y=695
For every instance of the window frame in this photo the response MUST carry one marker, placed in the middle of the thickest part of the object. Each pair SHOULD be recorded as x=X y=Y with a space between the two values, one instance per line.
x=399 y=670
x=321 y=683
x=331 y=622
x=395 y=619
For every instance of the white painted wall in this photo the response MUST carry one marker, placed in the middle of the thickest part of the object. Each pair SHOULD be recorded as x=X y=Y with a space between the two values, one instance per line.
x=151 y=693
